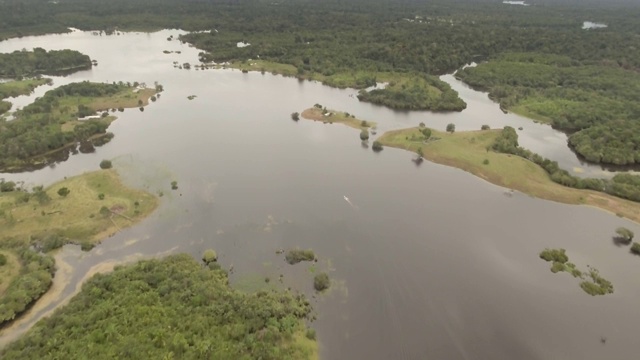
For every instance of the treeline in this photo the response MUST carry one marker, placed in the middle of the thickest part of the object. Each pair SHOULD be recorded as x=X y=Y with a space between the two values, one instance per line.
x=34 y=279
x=595 y=102
x=623 y=185
x=170 y=308
x=38 y=127
x=39 y=61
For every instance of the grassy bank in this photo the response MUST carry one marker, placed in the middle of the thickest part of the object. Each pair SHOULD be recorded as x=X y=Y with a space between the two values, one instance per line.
x=468 y=151
x=318 y=114
x=17 y=88
x=76 y=217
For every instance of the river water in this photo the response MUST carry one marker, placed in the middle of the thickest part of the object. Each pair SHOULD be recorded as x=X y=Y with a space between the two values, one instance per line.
x=428 y=262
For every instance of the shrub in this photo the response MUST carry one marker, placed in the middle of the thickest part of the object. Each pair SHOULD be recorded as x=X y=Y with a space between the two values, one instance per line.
x=451 y=128
x=101 y=196
x=426 y=132
x=296 y=255
x=321 y=282
x=209 y=256
x=635 y=248
x=485 y=161
x=104 y=211
x=364 y=135
x=625 y=234
x=364 y=124
x=3 y=260
x=485 y=127
x=311 y=334
x=422 y=125
x=63 y=191
x=295 y=116
x=174 y=185
x=555 y=255
x=87 y=246
x=377 y=146
x=106 y=164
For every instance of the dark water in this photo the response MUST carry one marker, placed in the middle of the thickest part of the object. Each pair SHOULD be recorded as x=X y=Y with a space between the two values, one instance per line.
x=429 y=263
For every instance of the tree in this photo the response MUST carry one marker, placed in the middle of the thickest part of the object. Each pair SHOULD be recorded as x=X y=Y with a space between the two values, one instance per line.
x=174 y=185
x=3 y=260
x=364 y=135
x=377 y=146
x=63 y=191
x=451 y=128
x=485 y=127
x=426 y=132
x=625 y=234
x=295 y=116
x=420 y=153
x=106 y=164
x=635 y=248
x=209 y=256
x=104 y=211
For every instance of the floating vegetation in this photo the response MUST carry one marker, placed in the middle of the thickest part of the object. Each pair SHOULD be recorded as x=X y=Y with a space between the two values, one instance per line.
x=296 y=255
x=593 y=284
x=191 y=97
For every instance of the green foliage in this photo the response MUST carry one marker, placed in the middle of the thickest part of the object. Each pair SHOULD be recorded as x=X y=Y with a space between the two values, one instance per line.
x=485 y=127
x=34 y=280
x=209 y=256
x=420 y=153
x=174 y=185
x=426 y=132
x=598 y=285
x=485 y=162
x=63 y=191
x=295 y=116
x=106 y=164
x=595 y=101
x=295 y=256
x=41 y=195
x=101 y=196
x=377 y=146
x=451 y=128
x=554 y=255
x=419 y=93
x=625 y=234
x=104 y=211
x=170 y=307
x=3 y=260
x=364 y=135
x=39 y=61
x=635 y=248
x=7 y=186
x=321 y=282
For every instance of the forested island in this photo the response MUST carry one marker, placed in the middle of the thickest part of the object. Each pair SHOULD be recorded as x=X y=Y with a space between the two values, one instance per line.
x=55 y=120
x=41 y=62
x=169 y=309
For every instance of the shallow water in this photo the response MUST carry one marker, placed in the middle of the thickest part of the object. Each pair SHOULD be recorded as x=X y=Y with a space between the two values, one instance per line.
x=430 y=262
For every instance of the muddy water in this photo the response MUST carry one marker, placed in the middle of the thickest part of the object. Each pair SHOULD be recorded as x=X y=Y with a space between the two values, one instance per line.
x=429 y=262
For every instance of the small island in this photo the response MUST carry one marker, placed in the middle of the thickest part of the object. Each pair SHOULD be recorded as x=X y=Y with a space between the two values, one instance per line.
x=320 y=113
x=82 y=210
x=22 y=63
x=592 y=283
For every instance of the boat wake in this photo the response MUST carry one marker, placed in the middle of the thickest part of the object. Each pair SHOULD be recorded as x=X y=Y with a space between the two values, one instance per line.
x=349 y=202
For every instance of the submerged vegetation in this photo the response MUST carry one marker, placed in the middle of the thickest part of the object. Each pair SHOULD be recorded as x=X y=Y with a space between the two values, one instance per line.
x=295 y=256
x=51 y=122
x=593 y=284
x=321 y=282
x=327 y=116
x=170 y=308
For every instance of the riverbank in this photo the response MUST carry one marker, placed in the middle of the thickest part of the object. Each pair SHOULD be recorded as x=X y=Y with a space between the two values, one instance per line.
x=332 y=116
x=469 y=151
x=17 y=88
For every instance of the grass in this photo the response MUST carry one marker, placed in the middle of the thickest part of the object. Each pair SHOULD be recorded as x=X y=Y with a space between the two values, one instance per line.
x=76 y=217
x=467 y=151
x=21 y=87
x=317 y=114
x=8 y=271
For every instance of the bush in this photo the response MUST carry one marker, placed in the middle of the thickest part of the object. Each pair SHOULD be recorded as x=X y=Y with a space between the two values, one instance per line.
x=625 y=234
x=485 y=162
x=451 y=128
x=104 y=211
x=3 y=260
x=174 y=185
x=209 y=256
x=106 y=164
x=485 y=127
x=295 y=116
x=635 y=248
x=296 y=255
x=364 y=124
x=101 y=196
x=364 y=135
x=63 y=191
x=377 y=146
x=7 y=186
x=555 y=255
x=321 y=282
x=311 y=334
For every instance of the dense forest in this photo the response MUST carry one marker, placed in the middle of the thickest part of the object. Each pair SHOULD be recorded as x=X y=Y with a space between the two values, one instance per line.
x=174 y=308
x=41 y=62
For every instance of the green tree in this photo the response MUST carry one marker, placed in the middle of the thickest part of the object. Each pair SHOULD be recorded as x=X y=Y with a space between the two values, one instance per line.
x=635 y=248
x=420 y=153
x=321 y=282
x=377 y=146
x=63 y=191
x=106 y=164
x=485 y=127
x=209 y=256
x=364 y=135
x=451 y=128
x=3 y=260
x=295 y=116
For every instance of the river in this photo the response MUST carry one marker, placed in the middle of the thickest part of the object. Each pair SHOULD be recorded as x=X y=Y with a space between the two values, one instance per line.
x=430 y=262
